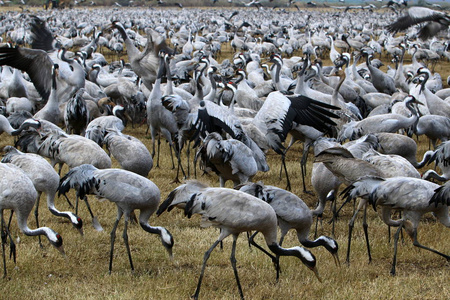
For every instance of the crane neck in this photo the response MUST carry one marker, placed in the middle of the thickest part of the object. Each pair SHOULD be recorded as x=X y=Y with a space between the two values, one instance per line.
x=304 y=255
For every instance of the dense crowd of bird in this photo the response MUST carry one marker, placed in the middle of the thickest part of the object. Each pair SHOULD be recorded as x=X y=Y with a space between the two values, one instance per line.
x=67 y=104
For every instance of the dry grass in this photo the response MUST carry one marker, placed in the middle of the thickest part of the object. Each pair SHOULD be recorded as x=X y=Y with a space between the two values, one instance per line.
x=83 y=274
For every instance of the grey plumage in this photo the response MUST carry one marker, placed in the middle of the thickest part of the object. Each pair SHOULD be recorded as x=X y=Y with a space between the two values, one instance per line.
x=130 y=152
x=436 y=21
x=442 y=158
x=72 y=150
x=233 y=212
x=76 y=114
x=413 y=197
x=129 y=191
x=5 y=126
x=292 y=213
x=230 y=159
x=18 y=194
x=44 y=178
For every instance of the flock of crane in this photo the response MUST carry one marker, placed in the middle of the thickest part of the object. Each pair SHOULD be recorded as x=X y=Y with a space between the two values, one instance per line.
x=231 y=113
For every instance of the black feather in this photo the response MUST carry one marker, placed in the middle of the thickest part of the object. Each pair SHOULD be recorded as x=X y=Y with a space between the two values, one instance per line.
x=165 y=205
x=189 y=205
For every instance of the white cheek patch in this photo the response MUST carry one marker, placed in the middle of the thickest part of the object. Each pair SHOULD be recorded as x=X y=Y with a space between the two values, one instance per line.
x=73 y=218
x=165 y=236
x=329 y=241
x=306 y=254
x=51 y=234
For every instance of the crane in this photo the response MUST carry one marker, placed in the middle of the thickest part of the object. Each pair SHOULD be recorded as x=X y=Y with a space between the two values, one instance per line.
x=233 y=212
x=128 y=190
x=18 y=194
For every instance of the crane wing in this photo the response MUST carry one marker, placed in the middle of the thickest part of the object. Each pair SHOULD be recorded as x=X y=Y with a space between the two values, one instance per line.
x=417 y=15
x=42 y=38
x=214 y=118
x=35 y=62
x=441 y=195
x=279 y=112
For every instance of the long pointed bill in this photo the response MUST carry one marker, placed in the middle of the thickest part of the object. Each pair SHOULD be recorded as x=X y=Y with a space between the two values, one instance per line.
x=336 y=259
x=61 y=250
x=316 y=272
x=170 y=253
x=80 y=230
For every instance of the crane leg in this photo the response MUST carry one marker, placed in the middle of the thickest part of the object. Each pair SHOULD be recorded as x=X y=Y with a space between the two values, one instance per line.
x=288 y=182
x=303 y=166
x=95 y=222
x=350 y=230
x=36 y=215
x=127 y=245
x=3 y=236
x=159 y=150
x=273 y=258
x=394 y=260
x=205 y=259
x=171 y=155
x=68 y=201
x=317 y=223
x=113 y=238
x=188 y=154
x=366 y=234
x=333 y=227
x=417 y=244
x=233 y=264
x=177 y=180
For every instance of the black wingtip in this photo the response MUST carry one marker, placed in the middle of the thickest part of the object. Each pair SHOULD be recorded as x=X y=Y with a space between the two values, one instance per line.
x=165 y=205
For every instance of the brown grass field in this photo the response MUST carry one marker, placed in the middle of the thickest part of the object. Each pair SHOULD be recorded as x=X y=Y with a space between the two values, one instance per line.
x=42 y=273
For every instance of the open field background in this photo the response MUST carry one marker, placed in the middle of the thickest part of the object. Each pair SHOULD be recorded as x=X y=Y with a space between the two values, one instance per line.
x=83 y=274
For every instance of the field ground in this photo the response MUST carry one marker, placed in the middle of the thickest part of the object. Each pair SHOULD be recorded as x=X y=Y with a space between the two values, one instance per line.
x=83 y=273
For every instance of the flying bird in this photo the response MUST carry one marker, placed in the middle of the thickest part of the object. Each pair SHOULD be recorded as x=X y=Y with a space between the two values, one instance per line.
x=436 y=21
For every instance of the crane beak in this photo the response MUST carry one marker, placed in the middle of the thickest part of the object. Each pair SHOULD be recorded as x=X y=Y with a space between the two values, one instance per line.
x=418 y=102
x=61 y=250
x=336 y=259
x=80 y=230
x=316 y=272
x=169 y=250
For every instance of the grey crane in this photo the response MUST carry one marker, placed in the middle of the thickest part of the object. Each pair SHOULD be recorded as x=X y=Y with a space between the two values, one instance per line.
x=145 y=63
x=442 y=158
x=273 y=121
x=434 y=127
x=394 y=143
x=96 y=129
x=380 y=123
x=292 y=213
x=413 y=197
x=380 y=80
x=391 y=163
x=436 y=21
x=348 y=169
x=180 y=109
x=436 y=105
x=76 y=114
x=230 y=159
x=18 y=194
x=73 y=150
x=45 y=180
x=233 y=212
x=129 y=151
x=50 y=112
x=5 y=126
x=159 y=119
x=129 y=191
